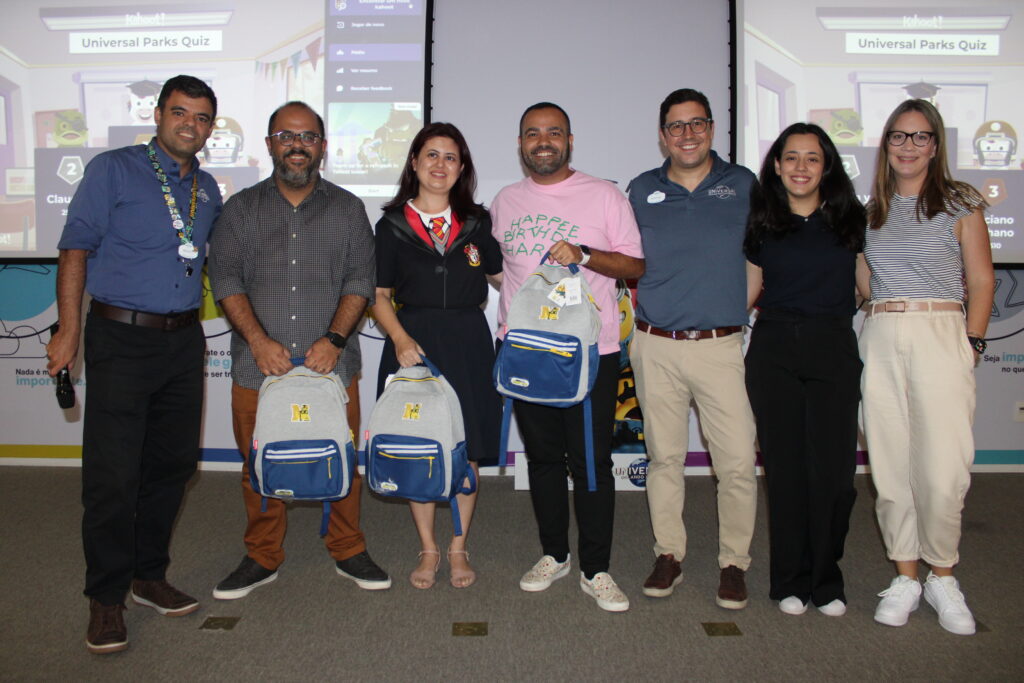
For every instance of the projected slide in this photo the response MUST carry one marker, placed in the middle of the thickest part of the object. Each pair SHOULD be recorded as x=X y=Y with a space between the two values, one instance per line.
x=373 y=90
x=846 y=67
x=77 y=79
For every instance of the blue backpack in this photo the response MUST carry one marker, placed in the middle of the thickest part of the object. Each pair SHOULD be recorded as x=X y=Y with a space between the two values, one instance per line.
x=550 y=354
x=302 y=447
x=415 y=441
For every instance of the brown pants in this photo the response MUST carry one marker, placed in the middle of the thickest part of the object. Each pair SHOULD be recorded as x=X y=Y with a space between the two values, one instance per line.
x=264 y=533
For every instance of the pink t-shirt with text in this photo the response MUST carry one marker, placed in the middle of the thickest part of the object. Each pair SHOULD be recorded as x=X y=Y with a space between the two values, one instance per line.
x=529 y=217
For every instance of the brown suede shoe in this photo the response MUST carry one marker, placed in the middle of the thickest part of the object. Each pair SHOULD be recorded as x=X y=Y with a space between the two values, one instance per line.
x=107 y=632
x=665 y=577
x=163 y=597
x=732 y=589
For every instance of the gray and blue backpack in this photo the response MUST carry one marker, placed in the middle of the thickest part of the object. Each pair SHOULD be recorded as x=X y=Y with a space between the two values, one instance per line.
x=302 y=446
x=550 y=354
x=416 y=443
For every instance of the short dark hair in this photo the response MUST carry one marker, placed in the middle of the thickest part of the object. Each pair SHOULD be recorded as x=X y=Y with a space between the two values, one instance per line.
x=295 y=103
x=681 y=96
x=460 y=197
x=545 y=105
x=189 y=85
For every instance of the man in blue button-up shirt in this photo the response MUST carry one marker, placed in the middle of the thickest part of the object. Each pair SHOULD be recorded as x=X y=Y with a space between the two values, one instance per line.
x=135 y=239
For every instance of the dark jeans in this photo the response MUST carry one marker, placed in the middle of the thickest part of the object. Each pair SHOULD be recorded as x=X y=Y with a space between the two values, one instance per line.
x=554 y=443
x=140 y=445
x=803 y=380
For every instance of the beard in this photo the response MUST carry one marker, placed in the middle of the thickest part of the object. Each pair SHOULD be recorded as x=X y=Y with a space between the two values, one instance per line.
x=296 y=178
x=546 y=165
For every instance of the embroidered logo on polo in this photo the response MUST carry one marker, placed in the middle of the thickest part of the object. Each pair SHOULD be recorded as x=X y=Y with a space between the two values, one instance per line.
x=656 y=197
x=472 y=254
x=722 y=192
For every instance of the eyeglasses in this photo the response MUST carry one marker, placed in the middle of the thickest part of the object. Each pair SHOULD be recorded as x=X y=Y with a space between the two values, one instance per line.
x=920 y=139
x=697 y=126
x=287 y=137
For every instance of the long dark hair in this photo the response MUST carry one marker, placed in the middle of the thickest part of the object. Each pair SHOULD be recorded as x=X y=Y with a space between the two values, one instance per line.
x=939 y=190
x=460 y=197
x=770 y=215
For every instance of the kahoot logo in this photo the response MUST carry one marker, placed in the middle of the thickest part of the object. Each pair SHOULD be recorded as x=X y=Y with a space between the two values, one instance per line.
x=637 y=473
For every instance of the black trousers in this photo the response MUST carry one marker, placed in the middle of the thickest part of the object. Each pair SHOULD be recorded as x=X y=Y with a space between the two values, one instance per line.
x=140 y=446
x=554 y=441
x=803 y=380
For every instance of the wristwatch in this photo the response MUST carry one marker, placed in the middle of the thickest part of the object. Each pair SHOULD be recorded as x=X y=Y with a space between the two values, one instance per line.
x=586 y=255
x=977 y=343
x=338 y=340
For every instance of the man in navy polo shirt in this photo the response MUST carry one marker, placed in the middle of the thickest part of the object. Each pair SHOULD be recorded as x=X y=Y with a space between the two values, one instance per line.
x=135 y=239
x=691 y=308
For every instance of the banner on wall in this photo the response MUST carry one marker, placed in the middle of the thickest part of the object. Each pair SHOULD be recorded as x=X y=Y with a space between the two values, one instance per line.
x=37 y=431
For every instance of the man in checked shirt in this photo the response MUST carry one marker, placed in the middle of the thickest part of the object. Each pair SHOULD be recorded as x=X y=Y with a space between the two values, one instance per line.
x=293 y=269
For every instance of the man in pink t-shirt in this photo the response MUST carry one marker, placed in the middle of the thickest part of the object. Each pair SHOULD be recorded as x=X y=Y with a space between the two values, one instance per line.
x=586 y=221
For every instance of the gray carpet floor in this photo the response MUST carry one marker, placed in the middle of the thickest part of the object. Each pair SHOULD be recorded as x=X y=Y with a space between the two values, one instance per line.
x=312 y=624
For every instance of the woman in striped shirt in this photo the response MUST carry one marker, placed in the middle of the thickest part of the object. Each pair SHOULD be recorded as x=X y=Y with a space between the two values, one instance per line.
x=926 y=241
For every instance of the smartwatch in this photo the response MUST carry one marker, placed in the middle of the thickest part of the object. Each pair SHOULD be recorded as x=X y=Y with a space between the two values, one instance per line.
x=586 y=255
x=977 y=343
x=338 y=340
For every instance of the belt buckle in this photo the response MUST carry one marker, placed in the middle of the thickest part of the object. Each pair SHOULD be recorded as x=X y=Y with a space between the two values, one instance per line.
x=894 y=306
x=692 y=335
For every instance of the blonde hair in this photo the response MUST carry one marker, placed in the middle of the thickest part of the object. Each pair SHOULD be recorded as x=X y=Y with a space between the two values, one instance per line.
x=939 y=191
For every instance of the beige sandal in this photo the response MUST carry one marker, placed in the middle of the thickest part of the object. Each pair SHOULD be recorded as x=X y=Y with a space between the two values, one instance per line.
x=425 y=578
x=461 y=578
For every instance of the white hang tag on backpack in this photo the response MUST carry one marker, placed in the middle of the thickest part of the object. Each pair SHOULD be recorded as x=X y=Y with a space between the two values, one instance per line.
x=557 y=293
x=573 y=292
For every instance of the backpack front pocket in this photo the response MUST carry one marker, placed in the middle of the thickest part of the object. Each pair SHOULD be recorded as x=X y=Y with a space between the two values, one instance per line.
x=406 y=467
x=303 y=469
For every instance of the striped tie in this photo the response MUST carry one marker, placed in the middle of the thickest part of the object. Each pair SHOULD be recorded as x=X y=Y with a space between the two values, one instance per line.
x=437 y=227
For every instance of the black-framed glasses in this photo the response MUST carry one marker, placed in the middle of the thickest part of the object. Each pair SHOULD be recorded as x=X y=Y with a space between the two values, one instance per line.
x=287 y=137
x=920 y=138
x=697 y=126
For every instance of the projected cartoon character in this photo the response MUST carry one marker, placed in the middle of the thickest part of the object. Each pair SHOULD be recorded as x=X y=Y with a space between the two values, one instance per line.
x=142 y=102
x=224 y=146
x=846 y=128
x=69 y=128
x=995 y=144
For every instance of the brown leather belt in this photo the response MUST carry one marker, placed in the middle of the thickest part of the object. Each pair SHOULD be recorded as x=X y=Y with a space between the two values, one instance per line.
x=691 y=335
x=908 y=306
x=167 y=323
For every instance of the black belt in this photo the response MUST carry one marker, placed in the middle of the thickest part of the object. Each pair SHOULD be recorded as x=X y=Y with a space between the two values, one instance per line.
x=691 y=335
x=167 y=323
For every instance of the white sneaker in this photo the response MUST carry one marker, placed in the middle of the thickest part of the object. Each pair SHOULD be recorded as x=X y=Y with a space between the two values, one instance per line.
x=792 y=605
x=544 y=573
x=943 y=593
x=603 y=589
x=836 y=608
x=898 y=600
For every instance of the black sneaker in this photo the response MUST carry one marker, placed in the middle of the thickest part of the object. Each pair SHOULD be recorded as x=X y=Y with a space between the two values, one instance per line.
x=364 y=571
x=249 y=576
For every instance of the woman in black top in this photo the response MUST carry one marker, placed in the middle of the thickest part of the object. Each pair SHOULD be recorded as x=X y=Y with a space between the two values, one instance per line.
x=804 y=234
x=435 y=255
